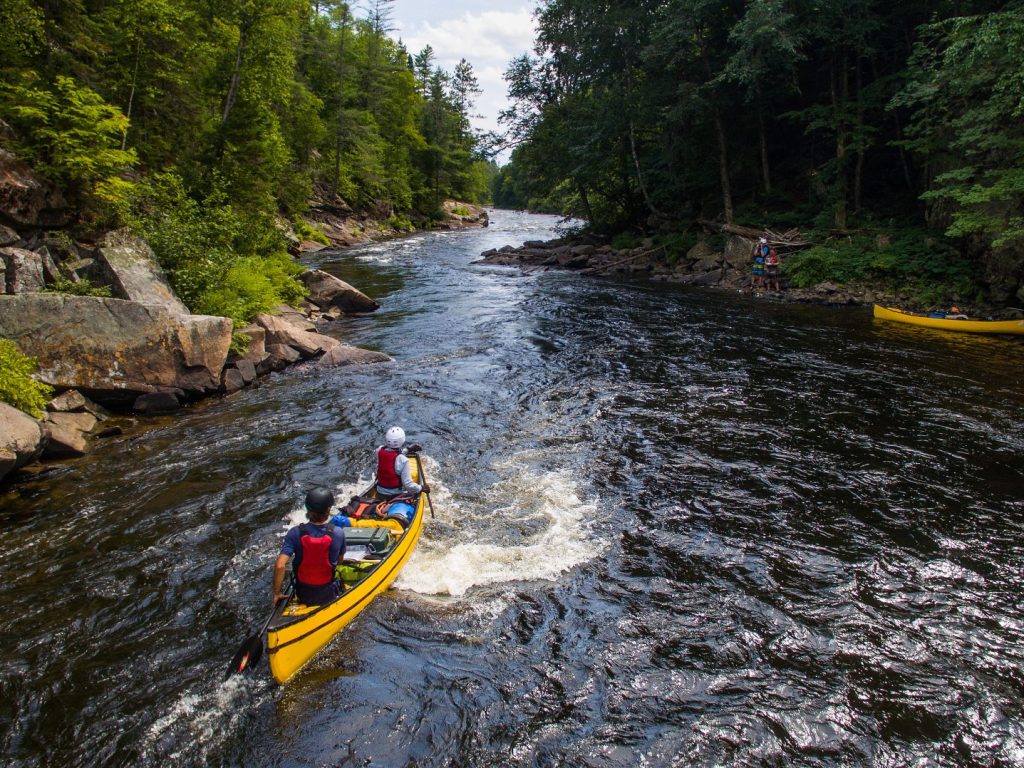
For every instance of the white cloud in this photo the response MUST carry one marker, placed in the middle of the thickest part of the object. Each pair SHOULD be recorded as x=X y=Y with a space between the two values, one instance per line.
x=488 y=40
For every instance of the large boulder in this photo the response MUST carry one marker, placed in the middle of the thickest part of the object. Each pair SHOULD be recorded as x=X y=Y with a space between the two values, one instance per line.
x=284 y=333
x=21 y=439
x=326 y=291
x=114 y=350
x=25 y=199
x=739 y=251
x=67 y=434
x=343 y=354
x=128 y=265
x=24 y=270
x=8 y=236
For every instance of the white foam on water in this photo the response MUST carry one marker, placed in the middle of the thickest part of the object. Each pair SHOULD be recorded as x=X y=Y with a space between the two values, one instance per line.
x=342 y=493
x=197 y=719
x=491 y=547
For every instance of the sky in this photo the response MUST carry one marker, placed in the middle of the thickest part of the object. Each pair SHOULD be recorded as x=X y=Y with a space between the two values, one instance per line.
x=487 y=34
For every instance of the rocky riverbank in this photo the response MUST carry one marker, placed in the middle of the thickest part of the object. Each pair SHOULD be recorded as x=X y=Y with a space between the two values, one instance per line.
x=142 y=352
x=727 y=267
x=111 y=336
x=345 y=227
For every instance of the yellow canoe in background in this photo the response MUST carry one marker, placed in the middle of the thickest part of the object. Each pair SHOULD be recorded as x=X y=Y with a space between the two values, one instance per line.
x=950 y=324
x=297 y=633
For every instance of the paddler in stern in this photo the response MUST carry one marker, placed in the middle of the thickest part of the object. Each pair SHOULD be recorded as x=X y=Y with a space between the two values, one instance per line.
x=315 y=547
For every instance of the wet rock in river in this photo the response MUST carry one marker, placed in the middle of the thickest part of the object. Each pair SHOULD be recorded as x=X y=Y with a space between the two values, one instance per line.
x=21 y=439
x=67 y=434
x=328 y=291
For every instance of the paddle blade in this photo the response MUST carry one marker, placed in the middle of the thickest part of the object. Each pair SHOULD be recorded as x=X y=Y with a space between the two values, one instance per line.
x=247 y=657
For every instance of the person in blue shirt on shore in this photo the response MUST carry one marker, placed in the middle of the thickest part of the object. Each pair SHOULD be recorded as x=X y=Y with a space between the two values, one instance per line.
x=315 y=549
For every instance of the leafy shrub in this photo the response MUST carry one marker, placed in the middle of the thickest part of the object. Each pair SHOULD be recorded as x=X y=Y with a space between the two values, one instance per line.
x=71 y=134
x=219 y=260
x=400 y=223
x=17 y=387
x=911 y=260
x=675 y=245
x=461 y=210
x=307 y=231
x=625 y=241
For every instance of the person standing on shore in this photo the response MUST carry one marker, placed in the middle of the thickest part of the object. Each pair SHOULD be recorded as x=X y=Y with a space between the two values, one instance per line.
x=760 y=253
x=771 y=268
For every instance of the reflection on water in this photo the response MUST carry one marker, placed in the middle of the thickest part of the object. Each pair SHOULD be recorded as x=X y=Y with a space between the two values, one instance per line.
x=673 y=528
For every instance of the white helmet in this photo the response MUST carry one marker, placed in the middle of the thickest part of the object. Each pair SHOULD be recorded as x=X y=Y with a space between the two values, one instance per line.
x=394 y=438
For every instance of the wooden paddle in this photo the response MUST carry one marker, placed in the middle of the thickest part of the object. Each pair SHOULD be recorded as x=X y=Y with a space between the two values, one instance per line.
x=251 y=650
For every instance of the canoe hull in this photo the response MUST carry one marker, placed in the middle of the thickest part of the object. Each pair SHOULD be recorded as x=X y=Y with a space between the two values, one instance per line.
x=944 y=324
x=302 y=631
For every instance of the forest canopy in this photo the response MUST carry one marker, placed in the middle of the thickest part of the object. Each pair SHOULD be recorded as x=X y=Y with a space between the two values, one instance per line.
x=198 y=122
x=835 y=115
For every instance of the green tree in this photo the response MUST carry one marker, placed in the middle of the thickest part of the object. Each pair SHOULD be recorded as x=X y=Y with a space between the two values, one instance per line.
x=964 y=89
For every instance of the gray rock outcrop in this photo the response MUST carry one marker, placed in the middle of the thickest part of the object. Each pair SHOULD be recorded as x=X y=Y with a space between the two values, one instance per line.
x=114 y=350
x=282 y=332
x=21 y=439
x=128 y=265
x=23 y=270
x=328 y=291
x=344 y=354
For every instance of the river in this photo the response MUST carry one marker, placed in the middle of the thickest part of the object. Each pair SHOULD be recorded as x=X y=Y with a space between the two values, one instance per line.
x=674 y=527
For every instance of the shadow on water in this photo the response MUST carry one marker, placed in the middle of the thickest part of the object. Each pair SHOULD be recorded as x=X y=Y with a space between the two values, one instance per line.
x=674 y=527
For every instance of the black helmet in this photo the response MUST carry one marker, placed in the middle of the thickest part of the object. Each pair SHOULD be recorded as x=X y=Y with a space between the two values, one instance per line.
x=319 y=502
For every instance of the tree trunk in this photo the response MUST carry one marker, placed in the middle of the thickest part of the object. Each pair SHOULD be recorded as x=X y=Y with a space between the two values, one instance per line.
x=723 y=150
x=858 y=171
x=639 y=174
x=765 y=174
x=131 y=93
x=839 y=92
x=586 y=202
x=723 y=168
x=339 y=127
x=236 y=74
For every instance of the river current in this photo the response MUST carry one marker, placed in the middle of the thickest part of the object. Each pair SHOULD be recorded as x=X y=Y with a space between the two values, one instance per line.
x=674 y=527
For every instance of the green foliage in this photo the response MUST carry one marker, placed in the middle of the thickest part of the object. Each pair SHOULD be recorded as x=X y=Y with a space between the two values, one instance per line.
x=675 y=245
x=461 y=210
x=220 y=260
x=400 y=224
x=964 y=85
x=17 y=387
x=307 y=231
x=625 y=241
x=250 y=285
x=911 y=260
x=71 y=134
x=81 y=288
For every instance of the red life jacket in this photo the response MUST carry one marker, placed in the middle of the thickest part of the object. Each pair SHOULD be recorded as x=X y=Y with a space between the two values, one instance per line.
x=315 y=566
x=386 y=475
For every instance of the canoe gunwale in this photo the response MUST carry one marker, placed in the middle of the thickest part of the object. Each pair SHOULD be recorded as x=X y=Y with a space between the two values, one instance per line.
x=960 y=325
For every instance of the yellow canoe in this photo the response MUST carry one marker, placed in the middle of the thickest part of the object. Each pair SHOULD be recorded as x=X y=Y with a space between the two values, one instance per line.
x=950 y=324
x=299 y=631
